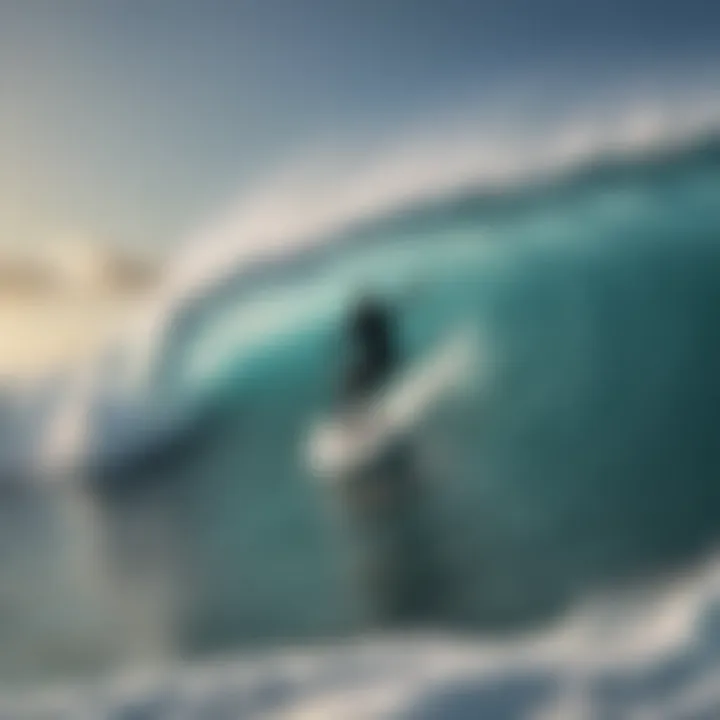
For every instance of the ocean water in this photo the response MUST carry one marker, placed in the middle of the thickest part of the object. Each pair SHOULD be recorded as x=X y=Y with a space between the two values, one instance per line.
x=158 y=508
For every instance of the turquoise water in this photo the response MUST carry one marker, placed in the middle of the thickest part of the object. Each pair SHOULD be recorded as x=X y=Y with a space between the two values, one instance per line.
x=587 y=455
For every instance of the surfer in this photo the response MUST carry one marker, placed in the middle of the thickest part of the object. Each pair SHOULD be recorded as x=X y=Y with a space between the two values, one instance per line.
x=372 y=347
x=382 y=496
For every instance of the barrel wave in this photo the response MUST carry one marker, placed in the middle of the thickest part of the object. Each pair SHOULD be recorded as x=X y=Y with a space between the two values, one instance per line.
x=584 y=461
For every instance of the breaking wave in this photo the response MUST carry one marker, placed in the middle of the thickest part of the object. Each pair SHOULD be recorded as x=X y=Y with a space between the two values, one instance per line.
x=587 y=258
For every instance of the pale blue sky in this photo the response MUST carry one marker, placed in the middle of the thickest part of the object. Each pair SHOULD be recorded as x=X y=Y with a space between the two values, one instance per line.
x=128 y=120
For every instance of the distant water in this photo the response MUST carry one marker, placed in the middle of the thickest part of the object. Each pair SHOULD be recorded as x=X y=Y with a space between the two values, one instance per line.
x=588 y=457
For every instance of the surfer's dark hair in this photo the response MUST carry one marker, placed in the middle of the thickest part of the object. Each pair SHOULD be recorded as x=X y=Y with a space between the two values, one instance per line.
x=372 y=340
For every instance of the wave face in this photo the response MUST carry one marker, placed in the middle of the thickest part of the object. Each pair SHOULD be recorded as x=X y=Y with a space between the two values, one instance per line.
x=587 y=456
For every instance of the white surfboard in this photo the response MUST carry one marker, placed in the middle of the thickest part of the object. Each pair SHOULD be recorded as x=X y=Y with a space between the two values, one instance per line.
x=342 y=443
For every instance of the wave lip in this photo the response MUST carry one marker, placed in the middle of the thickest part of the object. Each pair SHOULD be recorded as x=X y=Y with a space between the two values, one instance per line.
x=315 y=199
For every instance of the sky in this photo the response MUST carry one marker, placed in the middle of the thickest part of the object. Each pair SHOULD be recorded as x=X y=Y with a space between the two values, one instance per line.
x=129 y=121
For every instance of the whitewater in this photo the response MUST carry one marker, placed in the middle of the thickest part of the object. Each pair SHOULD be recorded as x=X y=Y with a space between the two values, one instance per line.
x=167 y=552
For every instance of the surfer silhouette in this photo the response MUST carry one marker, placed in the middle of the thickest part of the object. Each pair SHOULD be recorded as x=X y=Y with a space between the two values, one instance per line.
x=382 y=496
x=373 y=348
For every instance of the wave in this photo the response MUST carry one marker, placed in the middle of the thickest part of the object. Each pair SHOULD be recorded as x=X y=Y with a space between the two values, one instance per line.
x=337 y=200
x=590 y=460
